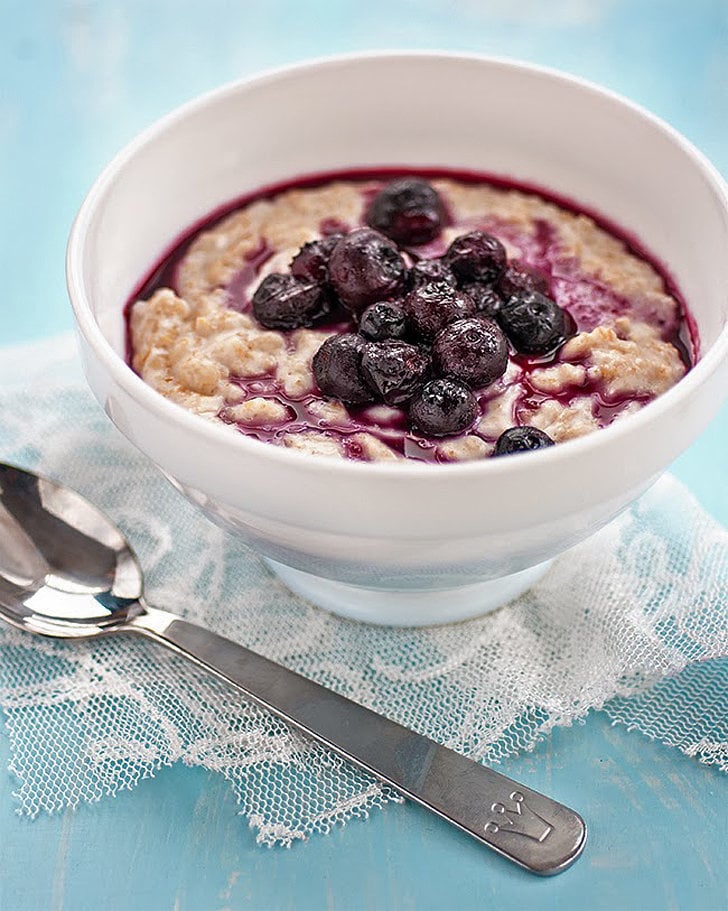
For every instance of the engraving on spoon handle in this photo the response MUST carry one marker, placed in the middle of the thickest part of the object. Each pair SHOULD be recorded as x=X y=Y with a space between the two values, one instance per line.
x=529 y=828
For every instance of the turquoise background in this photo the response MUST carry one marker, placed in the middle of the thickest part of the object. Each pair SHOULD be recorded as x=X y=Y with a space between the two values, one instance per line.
x=77 y=80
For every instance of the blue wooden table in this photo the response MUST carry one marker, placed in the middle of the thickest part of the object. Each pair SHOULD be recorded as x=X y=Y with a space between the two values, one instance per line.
x=78 y=79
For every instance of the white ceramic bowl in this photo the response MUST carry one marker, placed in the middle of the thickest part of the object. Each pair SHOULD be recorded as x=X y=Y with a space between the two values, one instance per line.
x=415 y=543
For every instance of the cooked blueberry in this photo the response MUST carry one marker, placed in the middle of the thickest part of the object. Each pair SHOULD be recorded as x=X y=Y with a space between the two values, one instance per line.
x=434 y=306
x=473 y=351
x=383 y=320
x=408 y=210
x=428 y=270
x=518 y=278
x=365 y=267
x=476 y=257
x=337 y=368
x=311 y=263
x=521 y=439
x=534 y=323
x=443 y=407
x=394 y=370
x=284 y=302
x=485 y=297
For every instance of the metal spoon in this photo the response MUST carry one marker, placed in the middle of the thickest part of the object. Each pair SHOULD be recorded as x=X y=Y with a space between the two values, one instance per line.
x=66 y=571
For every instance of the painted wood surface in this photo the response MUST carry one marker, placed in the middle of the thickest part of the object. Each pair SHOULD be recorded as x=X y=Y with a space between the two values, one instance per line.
x=77 y=80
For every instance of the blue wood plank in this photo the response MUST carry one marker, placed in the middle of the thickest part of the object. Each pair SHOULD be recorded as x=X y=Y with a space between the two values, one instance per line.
x=657 y=841
x=77 y=80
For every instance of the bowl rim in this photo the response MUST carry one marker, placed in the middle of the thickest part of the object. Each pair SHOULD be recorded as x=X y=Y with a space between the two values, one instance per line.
x=171 y=412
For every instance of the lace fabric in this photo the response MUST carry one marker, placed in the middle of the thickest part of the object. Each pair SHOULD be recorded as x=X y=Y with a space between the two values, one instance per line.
x=632 y=621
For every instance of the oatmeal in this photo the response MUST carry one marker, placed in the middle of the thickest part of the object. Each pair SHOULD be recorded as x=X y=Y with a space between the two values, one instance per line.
x=441 y=320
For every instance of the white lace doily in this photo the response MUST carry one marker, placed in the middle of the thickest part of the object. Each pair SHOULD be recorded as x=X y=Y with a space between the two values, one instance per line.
x=632 y=621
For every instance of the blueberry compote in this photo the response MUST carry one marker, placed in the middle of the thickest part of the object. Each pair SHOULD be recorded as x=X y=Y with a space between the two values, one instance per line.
x=457 y=316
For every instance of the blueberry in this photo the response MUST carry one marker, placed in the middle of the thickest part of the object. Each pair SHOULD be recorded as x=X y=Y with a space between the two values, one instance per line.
x=408 y=210
x=311 y=263
x=365 y=267
x=486 y=299
x=534 y=323
x=434 y=306
x=383 y=320
x=443 y=407
x=337 y=368
x=427 y=270
x=284 y=302
x=519 y=278
x=476 y=257
x=394 y=370
x=521 y=439
x=473 y=351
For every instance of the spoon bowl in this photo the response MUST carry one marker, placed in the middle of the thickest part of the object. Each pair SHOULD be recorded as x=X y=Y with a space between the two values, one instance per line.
x=66 y=571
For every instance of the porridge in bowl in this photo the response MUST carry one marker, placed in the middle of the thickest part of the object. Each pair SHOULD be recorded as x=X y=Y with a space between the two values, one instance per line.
x=439 y=317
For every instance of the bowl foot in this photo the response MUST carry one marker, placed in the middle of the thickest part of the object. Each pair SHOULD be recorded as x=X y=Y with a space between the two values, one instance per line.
x=408 y=608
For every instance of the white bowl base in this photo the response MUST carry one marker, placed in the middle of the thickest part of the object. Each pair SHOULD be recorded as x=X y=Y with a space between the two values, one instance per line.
x=408 y=608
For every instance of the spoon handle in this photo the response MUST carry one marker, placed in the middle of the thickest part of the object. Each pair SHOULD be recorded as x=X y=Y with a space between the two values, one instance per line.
x=528 y=828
